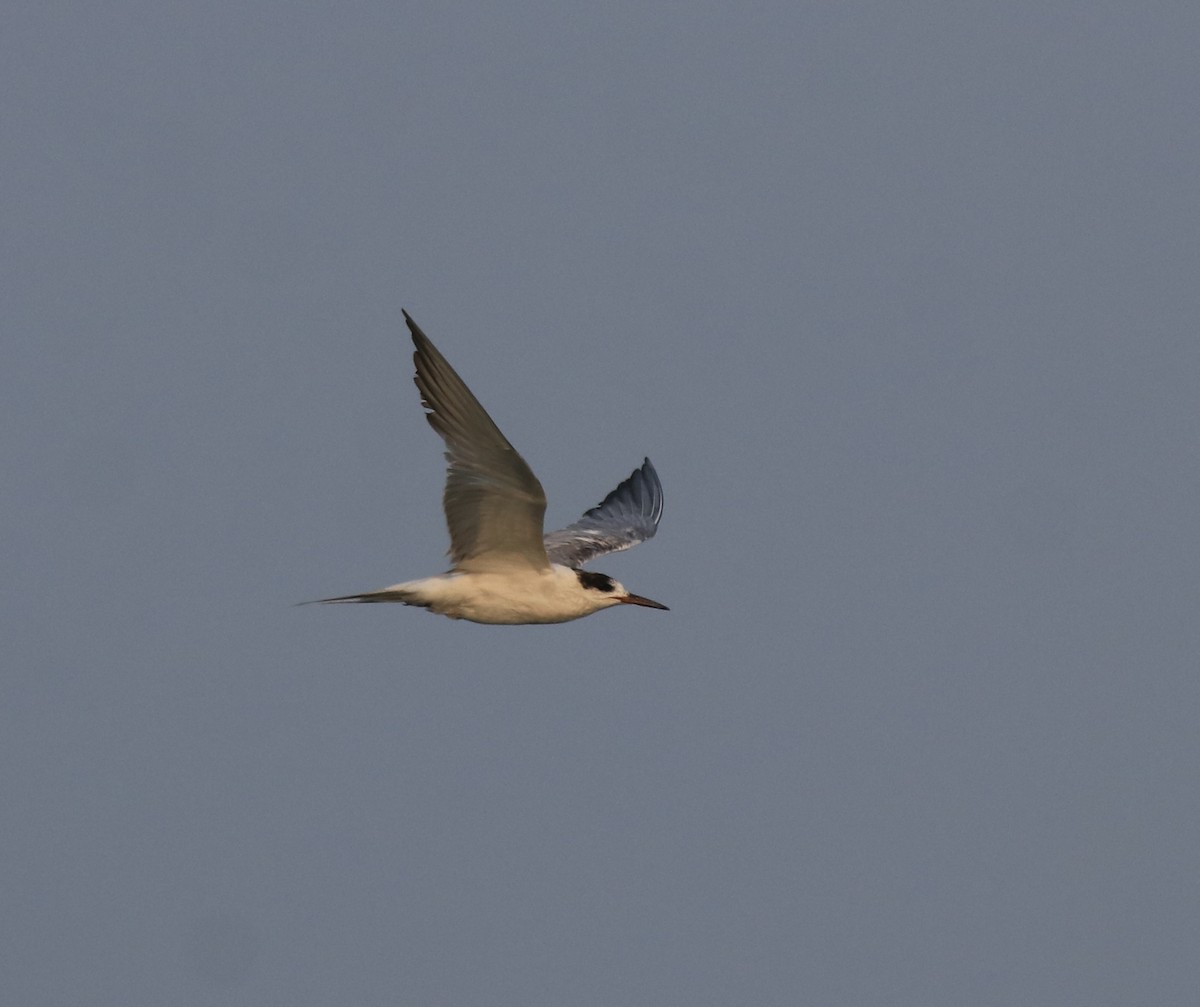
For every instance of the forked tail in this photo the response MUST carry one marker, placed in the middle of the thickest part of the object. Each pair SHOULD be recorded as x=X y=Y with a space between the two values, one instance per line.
x=403 y=596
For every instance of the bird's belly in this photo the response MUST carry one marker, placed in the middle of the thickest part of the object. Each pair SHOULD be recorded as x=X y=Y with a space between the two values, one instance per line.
x=507 y=600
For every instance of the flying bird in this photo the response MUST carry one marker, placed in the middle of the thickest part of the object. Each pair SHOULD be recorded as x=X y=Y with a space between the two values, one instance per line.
x=504 y=570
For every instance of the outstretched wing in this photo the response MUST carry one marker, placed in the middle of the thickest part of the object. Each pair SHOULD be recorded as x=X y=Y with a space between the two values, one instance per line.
x=627 y=516
x=494 y=504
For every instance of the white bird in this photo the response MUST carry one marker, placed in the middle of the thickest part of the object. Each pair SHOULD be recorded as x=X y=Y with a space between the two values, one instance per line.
x=504 y=570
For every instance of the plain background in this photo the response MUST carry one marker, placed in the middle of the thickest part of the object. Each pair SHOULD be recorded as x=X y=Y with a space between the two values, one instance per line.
x=900 y=298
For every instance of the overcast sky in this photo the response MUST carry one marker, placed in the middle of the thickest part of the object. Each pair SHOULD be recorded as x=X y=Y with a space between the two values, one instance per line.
x=900 y=298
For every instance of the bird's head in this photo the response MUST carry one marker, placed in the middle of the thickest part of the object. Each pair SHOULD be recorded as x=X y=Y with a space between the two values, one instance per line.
x=605 y=592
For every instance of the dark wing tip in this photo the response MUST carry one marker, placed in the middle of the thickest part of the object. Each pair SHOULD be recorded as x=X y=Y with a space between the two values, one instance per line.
x=647 y=491
x=651 y=474
x=418 y=336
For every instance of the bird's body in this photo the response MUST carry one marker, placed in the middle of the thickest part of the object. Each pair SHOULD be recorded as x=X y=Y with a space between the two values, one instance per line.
x=505 y=571
x=503 y=598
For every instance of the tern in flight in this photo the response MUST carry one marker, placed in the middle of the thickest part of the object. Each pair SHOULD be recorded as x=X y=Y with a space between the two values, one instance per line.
x=505 y=571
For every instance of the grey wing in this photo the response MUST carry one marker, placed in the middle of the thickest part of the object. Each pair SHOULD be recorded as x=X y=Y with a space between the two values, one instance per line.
x=627 y=516
x=494 y=504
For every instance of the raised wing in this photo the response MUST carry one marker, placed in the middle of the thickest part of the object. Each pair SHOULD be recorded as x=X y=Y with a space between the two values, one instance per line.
x=627 y=516
x=494 y=504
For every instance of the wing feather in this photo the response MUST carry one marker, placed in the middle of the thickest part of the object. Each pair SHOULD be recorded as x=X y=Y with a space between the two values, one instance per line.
x=494 y=503
x=627 y=516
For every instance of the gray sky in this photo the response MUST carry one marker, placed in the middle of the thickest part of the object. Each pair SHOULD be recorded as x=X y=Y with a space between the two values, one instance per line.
x=901 y=299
